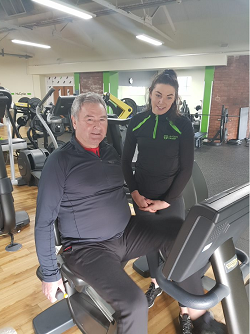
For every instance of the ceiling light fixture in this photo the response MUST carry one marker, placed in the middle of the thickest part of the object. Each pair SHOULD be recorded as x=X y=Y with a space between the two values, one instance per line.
x=149 y=40
x=66 y=8
x=17 y=41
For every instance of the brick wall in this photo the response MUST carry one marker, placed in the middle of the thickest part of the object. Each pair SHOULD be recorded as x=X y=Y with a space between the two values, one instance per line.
x=91 y=82
x=230 y=88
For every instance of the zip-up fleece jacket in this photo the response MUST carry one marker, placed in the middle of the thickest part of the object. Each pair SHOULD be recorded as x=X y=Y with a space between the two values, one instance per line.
x=86 y=193
x=165 y=155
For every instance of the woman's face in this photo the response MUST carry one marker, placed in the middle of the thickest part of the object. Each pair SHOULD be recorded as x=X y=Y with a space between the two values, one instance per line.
x=162 y=98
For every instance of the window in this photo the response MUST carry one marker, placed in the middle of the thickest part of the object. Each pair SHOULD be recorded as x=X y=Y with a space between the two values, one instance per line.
x=185 y=84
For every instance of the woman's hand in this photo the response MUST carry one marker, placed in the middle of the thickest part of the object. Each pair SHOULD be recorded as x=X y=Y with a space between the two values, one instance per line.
x=139 y=199
x=155 y=205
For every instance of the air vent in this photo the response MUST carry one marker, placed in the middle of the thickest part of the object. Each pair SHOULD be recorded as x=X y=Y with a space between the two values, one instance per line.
x=13 y=7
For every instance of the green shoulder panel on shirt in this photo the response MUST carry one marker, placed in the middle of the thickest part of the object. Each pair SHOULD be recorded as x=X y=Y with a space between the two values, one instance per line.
x=174 y=127
x=141 y=123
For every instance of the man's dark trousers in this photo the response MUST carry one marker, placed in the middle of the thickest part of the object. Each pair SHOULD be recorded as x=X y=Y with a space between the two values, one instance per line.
x=99 y=264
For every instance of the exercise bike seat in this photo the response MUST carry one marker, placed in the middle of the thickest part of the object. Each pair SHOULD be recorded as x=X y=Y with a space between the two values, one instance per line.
x=82 y=286
x=83 y=307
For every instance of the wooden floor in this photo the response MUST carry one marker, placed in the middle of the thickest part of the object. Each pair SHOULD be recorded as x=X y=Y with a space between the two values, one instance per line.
x=21 y=298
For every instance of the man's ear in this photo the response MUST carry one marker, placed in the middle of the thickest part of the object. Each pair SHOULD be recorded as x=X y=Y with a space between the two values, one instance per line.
x=73 y=122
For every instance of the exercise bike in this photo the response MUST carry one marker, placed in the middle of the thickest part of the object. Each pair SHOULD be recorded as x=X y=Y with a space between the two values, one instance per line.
x=206 y=236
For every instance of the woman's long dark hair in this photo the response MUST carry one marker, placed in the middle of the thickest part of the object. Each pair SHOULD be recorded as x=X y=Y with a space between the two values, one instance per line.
x=167 y=77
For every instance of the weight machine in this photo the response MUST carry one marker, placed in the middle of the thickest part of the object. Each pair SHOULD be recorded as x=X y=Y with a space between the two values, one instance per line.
x=27 y=107
x=122 y=108
x=221 y=135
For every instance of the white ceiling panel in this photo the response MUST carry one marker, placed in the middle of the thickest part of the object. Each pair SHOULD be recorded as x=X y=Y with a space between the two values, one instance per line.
x=200 y=26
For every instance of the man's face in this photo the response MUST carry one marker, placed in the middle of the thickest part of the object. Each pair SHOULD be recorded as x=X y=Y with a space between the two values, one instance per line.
x=90 y=125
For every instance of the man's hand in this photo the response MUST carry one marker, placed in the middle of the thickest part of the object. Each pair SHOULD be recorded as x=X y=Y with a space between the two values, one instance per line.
x=50 y=289
x=155 y=205
x=139 y=199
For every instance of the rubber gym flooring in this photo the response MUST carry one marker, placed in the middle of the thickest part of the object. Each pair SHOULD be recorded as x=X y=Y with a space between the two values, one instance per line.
x=224 y=167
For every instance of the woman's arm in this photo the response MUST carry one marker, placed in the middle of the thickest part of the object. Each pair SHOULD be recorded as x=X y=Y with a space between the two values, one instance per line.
x=186 y=157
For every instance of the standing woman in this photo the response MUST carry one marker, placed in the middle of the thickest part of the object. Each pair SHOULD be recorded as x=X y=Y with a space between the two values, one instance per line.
x=165 y=142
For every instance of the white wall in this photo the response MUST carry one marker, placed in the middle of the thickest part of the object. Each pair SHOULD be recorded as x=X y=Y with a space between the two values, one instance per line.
x=15 y=77
x=138 y=94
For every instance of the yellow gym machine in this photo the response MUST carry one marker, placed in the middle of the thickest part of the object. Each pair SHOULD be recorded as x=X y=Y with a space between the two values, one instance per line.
x=122 y=108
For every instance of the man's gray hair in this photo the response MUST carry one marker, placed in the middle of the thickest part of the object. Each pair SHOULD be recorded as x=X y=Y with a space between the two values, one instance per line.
x=81 y=99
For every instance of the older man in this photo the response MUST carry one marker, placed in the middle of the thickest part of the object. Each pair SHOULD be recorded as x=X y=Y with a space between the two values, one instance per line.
x=82 y=186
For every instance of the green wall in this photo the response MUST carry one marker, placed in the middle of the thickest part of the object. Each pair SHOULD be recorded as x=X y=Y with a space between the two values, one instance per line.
x=110 y=82
x=77 y=83
x=208 y=87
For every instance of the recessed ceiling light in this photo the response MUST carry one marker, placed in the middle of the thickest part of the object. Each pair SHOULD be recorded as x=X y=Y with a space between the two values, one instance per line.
x=31 y=44
x=149 y=40
x=66 y=8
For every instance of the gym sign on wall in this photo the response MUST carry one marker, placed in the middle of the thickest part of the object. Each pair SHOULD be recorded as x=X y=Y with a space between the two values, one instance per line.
x=17 y=95
x=22 y=94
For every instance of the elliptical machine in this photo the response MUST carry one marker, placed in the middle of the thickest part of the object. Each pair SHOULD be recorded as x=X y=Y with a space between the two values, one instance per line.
x=31 y=162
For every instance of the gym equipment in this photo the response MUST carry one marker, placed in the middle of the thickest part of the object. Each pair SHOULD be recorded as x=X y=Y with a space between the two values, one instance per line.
x=10 y=144
x=208 y=227
x=195 y=120
x=31 y=162
x=27 y=107
x=208 y=234
x=185 y=111
x=57 y=119
x=58 y=125
x=9 y=219
x=116 y=132
x=198 y=136
x=221 y=135
x=122 y=108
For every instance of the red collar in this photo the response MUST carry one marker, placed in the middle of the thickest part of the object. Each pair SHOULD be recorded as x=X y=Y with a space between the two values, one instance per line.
x=95 y=150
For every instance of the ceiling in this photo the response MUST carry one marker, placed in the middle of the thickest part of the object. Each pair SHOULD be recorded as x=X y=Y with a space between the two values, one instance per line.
x=184 y=26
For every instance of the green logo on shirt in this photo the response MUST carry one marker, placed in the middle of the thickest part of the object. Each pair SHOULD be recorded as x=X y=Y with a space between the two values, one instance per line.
x=170 y=137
